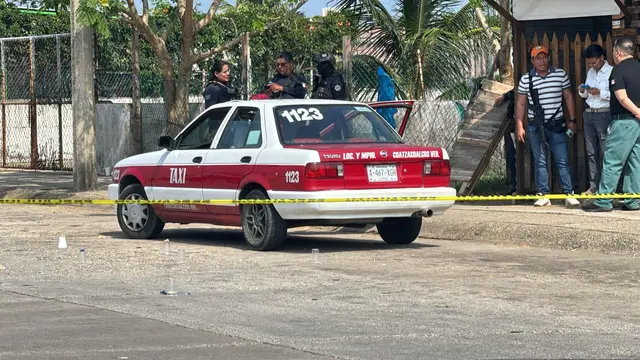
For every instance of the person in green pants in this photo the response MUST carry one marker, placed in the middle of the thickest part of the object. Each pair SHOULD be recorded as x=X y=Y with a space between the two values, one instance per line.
x=622 y=149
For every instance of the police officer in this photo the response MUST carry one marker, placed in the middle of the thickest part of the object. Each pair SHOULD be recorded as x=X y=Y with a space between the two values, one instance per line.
x=287 y=84
x=330 y=84
x=219 y=89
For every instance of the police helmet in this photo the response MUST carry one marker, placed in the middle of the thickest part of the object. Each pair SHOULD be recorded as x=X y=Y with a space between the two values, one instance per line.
x=320 y=58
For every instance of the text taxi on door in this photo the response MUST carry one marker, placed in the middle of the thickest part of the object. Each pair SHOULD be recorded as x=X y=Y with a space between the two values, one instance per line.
x=284 y=149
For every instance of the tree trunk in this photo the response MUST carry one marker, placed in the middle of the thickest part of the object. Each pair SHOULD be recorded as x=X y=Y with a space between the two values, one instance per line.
x=176 y=101
x=504 y=59
x=85 y=176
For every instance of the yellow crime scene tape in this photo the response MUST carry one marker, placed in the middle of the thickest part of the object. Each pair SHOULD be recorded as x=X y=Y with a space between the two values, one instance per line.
x=327 y=200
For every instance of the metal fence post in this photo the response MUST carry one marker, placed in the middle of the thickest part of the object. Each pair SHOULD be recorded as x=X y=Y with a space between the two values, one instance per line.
x=136 y=103
x=3 y=95
x=32 y=104
x=59 y=74
x=347 y=67
x=246 y=65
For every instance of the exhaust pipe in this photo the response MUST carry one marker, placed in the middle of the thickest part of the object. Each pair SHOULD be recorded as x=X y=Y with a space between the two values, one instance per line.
x=426 y=213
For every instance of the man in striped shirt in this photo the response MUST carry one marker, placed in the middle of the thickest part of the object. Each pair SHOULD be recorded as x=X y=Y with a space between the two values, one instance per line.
x=544 y=89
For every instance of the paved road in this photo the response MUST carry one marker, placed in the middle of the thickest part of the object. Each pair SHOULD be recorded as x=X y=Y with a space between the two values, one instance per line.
x=365 y=300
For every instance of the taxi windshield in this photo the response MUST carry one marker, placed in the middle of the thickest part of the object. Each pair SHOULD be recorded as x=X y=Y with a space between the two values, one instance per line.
x=332 y=124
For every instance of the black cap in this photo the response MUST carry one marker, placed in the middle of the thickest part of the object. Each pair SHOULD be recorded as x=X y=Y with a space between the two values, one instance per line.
x=318 y=58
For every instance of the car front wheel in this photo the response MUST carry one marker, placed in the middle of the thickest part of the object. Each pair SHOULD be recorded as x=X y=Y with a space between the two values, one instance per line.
x=138 y=221
x=262 y=226
x=400 y=231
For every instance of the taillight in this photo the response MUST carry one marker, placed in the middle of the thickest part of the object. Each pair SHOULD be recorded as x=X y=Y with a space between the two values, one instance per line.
x=437 y=167
x=323 y=170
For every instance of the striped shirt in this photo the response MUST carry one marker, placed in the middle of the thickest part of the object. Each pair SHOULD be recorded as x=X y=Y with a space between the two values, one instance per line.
x=549 y=91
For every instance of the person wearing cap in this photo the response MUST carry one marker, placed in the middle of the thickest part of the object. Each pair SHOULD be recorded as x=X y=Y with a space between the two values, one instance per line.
x=622 y=148
x=287 y=84
x=597 y=116
x=329 y=84
x=543 y=89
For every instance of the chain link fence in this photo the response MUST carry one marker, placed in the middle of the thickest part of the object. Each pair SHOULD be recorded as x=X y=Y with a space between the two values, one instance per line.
x=35 y=97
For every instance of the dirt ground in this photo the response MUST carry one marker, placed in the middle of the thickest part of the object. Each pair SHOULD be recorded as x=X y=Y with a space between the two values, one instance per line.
x=436 y=299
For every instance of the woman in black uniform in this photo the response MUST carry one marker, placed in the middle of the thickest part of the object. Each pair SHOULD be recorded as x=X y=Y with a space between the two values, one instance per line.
x=219 y=89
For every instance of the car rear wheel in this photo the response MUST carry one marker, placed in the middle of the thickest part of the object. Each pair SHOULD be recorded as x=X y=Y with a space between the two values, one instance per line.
x=262 y=226
x=401 y=230
x=138 y=221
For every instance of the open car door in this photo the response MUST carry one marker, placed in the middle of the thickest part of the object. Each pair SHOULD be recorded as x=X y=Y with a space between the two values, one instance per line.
x=396 y=104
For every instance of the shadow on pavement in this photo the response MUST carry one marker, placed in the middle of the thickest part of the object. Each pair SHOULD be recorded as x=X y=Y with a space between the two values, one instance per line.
x=296 y=242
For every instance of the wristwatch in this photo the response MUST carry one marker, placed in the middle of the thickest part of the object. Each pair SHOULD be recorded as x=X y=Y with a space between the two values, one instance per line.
x=573 y=121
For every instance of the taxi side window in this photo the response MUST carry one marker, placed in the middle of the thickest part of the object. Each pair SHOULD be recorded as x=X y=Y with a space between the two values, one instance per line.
x=243 y=130
x=201 y=134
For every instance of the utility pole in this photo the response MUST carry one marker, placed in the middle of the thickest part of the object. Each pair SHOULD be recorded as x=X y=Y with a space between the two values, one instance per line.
x=83 y=105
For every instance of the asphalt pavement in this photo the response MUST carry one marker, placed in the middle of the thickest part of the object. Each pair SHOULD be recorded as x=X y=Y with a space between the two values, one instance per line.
x=434 y=299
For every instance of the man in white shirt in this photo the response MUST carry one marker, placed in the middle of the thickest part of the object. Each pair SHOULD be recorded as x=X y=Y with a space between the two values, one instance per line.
x=597 y=116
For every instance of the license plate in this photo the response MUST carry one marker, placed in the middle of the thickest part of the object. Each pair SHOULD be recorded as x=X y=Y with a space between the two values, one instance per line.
x=382 y=173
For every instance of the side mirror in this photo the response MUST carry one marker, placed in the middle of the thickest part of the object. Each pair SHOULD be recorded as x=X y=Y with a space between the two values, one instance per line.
x=166 y=142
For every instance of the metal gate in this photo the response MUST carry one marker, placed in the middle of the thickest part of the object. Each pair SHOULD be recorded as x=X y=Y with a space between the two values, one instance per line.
x=35 y=97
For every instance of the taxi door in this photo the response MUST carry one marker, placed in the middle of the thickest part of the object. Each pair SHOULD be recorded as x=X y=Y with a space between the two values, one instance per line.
x=233 y=158
x=381 y=106
x=178 y=174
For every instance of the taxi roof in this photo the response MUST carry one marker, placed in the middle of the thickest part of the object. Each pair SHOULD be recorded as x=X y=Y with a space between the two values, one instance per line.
x=285 y=102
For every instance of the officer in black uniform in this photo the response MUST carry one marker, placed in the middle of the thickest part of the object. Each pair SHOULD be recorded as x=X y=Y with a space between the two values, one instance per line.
x=329 y=84
x=287 y=84
x=219 y=88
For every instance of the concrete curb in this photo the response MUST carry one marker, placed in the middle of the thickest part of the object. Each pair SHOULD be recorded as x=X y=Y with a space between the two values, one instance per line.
x=558 y=228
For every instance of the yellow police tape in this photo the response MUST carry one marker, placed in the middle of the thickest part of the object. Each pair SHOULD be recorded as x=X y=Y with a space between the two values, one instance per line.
x=328 y=200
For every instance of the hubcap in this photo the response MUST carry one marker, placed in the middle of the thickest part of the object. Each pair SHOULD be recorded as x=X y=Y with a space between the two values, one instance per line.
x=256 y=222
x=135 y=216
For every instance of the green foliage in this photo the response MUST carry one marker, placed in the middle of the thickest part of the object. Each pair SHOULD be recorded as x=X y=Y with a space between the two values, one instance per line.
x=15 y=23
x=428 y=37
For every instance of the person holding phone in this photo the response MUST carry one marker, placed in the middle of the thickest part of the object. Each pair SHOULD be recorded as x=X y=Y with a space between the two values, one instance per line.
x=597 y=115
x=622 y=151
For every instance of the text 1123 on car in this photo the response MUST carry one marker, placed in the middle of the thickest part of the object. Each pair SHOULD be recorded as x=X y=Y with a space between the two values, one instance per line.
x=284 y=149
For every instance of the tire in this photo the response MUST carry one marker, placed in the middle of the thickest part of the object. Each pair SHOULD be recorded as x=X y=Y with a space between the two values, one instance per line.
x=274 y=228
x=134 y=225
x=400 y=231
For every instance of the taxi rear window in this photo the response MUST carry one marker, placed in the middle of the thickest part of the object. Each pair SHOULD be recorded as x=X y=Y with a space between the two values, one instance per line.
x=332 y=124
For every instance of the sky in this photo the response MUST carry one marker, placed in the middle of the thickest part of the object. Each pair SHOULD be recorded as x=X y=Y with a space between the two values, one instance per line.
x=314 y=7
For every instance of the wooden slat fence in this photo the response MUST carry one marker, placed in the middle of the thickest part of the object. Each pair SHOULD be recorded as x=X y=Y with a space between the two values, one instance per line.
x=567 y=54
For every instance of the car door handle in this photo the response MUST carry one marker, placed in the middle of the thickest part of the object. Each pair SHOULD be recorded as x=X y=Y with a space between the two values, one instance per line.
x=197 y=159
x=246 y=159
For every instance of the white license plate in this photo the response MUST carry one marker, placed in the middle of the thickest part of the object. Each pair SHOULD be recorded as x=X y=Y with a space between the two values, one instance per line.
x=382 y=173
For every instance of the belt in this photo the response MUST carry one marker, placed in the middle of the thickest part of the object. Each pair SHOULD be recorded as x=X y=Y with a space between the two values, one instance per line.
x=623 y=117
x=599 y=110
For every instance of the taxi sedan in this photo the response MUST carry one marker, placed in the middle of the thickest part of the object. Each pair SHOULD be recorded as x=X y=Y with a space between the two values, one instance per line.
x=284 y=149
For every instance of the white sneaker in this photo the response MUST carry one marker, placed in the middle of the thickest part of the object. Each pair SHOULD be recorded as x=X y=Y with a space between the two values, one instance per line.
x=571 y=202
x=542 y=201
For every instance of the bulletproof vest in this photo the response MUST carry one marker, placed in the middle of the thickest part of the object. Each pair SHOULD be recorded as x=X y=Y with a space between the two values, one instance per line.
x=323 y=89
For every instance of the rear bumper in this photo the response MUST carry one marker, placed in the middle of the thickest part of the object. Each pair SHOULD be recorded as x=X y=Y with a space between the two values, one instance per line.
x=361 y=210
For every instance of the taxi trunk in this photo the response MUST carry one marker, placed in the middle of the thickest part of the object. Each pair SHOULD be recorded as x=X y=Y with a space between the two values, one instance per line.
x=375 y=166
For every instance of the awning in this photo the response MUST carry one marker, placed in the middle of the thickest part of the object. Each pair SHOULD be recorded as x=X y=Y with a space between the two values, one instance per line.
x=558 y=9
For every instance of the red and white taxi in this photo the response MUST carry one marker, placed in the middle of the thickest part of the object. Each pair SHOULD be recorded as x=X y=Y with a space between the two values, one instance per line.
x=284 y=149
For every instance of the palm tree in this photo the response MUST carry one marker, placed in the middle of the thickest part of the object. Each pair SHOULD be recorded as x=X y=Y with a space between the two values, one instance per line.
x=432 y=47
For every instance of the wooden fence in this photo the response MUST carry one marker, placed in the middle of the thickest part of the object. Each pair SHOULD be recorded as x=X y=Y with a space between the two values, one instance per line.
x=567 y=54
